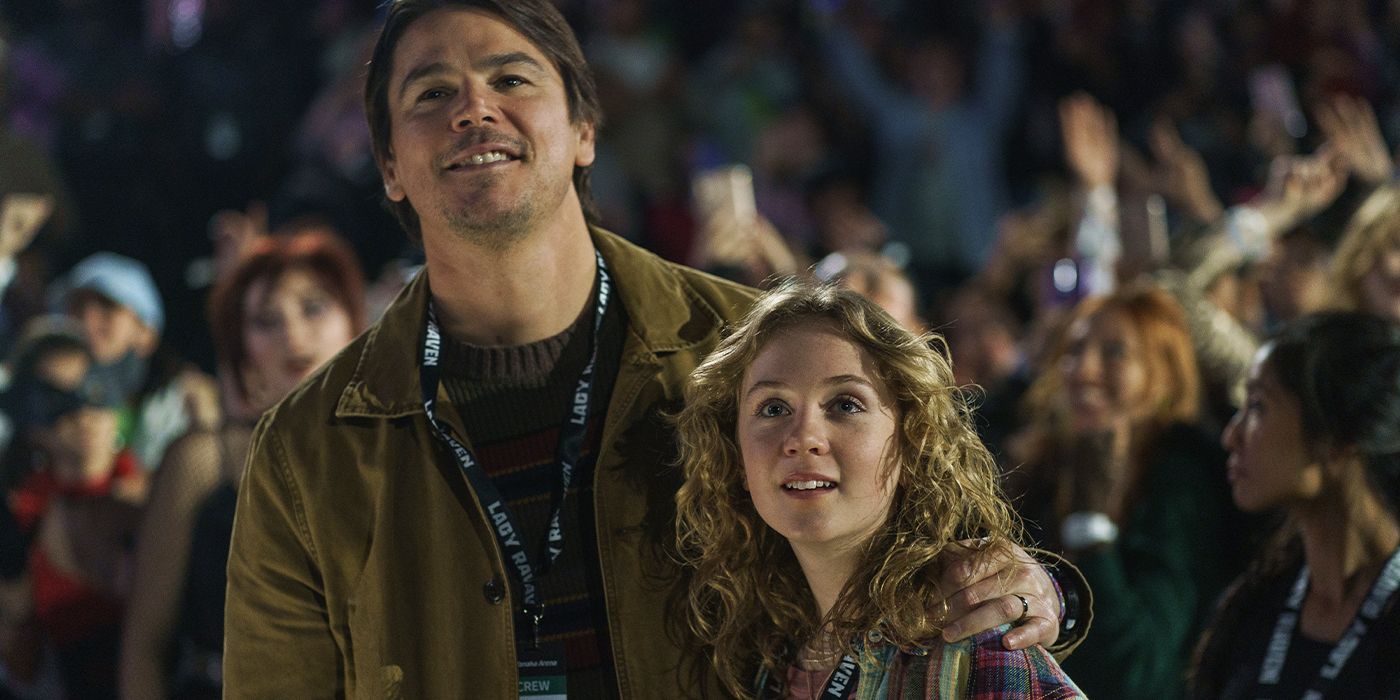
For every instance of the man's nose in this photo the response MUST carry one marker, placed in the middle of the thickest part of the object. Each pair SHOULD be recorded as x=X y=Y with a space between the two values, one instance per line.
x=473 y=108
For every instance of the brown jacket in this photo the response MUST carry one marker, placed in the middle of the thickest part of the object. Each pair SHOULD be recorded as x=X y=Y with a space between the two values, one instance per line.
x=362 y=565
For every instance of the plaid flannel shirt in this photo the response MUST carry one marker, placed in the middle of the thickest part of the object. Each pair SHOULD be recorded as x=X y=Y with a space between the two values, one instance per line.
x=977 y=668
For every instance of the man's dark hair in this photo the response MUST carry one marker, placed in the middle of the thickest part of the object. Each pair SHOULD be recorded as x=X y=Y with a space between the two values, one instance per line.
x=539 y=22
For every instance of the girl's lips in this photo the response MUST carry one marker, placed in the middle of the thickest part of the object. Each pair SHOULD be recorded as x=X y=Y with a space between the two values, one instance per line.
x=809 y=495
x=808 y=485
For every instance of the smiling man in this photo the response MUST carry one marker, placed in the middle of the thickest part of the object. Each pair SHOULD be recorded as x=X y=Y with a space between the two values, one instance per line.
x=476 y=498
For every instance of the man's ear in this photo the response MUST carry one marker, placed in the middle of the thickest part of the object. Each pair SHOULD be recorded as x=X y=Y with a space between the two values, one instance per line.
x=587 y=144
x=388 y=170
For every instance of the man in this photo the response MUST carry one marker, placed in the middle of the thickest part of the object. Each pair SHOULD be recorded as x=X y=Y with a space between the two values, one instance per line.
x=508 y=528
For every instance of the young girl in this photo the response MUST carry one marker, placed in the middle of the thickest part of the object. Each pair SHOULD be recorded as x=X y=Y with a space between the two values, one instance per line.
x=1318 y=440
x=829 y=461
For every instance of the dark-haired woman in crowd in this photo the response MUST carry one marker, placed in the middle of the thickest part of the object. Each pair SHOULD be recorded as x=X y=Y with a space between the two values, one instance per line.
x=1112 y=472
x=1318 y=439
x=286 y=307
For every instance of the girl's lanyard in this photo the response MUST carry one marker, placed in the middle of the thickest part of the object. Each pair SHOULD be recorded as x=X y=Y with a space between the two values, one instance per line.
x=840 y=685
x=571 y=435
x=1371 y=608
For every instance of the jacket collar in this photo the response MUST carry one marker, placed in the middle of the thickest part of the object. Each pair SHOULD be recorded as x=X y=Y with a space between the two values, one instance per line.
x=665 y=314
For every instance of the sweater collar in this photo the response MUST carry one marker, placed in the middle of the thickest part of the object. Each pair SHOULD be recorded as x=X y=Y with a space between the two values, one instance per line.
x=665 y=314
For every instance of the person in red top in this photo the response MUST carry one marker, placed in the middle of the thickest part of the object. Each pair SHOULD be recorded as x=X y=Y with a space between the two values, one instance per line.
x=74 y=501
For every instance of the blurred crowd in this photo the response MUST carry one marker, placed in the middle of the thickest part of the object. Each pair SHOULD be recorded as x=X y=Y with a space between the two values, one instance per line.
x=1104 y=207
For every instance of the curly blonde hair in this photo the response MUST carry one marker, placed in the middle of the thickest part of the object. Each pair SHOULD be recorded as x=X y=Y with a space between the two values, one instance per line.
x=749 y=604
x=1374 y=228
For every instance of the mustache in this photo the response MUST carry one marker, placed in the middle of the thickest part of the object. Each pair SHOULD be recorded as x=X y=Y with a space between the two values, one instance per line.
x=476 y=136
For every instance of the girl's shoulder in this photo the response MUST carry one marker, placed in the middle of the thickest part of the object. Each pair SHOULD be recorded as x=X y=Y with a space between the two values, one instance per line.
x=979 y=667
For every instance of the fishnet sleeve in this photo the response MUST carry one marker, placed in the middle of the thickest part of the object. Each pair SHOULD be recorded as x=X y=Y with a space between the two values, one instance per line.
x=188 y=474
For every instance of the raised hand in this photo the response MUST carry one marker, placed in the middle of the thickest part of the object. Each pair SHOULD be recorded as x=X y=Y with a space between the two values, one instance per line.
x=1090 y=134
x=1301 y=186
x=21 y=217
x=233 y=232
x=1352 y=130
x=1181 y=174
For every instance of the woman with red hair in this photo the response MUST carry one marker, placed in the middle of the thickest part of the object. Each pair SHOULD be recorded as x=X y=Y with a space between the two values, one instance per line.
x=289 y=304
x=1117 y=476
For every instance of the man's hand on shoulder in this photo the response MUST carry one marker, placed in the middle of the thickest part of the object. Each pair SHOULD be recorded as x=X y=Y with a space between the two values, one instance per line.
x=994 y=587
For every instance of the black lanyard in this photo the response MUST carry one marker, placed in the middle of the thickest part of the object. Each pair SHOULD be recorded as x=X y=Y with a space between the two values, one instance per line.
x=571 y=435
x=1371 y=608
x=840 y=685
x=842 y=682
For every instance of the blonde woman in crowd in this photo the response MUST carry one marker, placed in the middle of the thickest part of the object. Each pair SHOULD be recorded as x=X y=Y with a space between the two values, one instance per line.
x=1366 y=266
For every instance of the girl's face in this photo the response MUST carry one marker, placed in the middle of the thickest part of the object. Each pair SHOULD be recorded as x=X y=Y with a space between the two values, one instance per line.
x=816 y=432
x=291 y=325
x=1270 y=464
x=1105 y=378
x=1380 y=288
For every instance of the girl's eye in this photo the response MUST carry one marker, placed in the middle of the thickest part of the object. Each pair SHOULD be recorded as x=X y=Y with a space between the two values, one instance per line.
x=847 y=404
x=771 y=409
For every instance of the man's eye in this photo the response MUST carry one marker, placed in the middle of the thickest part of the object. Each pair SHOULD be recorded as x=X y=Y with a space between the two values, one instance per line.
x=432 y=94
x=510 y=81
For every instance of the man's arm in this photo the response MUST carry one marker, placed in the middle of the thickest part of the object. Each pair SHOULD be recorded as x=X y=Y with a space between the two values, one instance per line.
x=277 y=637
x=1058 y=606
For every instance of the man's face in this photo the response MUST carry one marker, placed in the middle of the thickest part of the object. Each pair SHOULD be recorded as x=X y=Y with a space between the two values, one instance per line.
x=481 y=144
